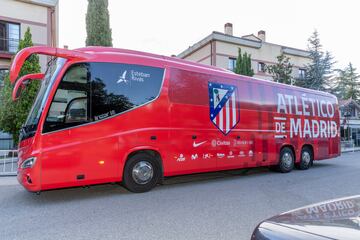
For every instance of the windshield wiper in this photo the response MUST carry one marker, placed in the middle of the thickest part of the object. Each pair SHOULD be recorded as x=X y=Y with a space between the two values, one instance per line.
x=23 y=130
x=27 y=131
x=50 y=62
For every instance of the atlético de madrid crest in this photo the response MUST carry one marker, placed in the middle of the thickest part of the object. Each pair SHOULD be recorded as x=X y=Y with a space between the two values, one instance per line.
x=223 y=101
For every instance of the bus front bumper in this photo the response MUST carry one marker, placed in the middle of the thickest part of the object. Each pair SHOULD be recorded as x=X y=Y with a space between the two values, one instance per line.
x=27 y=178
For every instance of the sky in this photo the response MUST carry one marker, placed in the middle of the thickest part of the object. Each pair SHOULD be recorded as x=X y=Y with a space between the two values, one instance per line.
x=169 y=27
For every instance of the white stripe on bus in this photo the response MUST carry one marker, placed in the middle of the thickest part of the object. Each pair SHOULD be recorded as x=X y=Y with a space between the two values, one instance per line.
x=227 y=111
x=221 y=120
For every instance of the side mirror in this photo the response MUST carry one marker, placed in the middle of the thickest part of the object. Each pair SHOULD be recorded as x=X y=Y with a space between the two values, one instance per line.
x=76 y=111
x=21 y=83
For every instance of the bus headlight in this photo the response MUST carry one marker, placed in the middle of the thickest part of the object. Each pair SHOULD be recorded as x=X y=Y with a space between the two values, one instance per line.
x=28 y=163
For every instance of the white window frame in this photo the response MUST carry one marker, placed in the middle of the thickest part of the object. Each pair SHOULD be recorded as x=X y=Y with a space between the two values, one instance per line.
x=302 y=73
x=261 y=67
x=231 y=63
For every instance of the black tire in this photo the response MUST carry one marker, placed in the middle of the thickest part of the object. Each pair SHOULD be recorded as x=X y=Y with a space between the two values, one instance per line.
x=286 y=161
x=306 y=158
x=137 y=162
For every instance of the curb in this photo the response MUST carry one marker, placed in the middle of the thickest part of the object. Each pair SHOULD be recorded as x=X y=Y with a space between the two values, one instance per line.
x=350 y=151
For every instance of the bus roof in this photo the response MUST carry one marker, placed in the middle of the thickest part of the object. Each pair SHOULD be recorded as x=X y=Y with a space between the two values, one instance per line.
x=175 y=60
x=92 y=53
x=162 y=58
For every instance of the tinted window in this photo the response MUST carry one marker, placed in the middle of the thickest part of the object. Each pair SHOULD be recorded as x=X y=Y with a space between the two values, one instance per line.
x=120 y=87
x=70 y=105
x=94 y=91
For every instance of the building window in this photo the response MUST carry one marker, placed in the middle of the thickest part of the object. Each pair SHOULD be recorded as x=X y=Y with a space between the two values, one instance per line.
x=3 y=73
x=261 y=67
x=9 y=37
x=302 y=73
x=348 y=111
x=232 y=64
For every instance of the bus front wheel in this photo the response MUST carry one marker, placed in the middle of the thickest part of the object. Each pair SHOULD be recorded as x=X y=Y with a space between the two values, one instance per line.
x=141 y=173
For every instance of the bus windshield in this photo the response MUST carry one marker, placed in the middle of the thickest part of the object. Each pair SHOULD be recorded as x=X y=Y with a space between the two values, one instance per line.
x=29 y=128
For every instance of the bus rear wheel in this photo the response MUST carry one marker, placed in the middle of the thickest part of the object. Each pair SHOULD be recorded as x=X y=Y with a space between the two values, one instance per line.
x=141 y=173
x=286 y=161
x=306 y=159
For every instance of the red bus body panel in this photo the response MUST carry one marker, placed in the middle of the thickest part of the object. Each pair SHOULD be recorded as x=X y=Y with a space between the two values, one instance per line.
x=187 y=140
x=19 y=85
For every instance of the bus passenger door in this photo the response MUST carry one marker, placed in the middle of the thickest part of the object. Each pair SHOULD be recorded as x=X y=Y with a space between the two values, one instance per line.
x=75 y=152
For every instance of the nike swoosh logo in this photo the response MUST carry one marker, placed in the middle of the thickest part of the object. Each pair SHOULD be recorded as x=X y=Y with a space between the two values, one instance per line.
x=198 y=144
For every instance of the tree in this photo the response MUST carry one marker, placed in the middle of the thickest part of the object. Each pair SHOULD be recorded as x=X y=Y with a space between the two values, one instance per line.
x=319 y=70
x=243 y=64
x=281 y=71
x=97 y=24
x=14 y=114
x=2 y=77
x=353 y=83
x=348 y=85
x=339 y=83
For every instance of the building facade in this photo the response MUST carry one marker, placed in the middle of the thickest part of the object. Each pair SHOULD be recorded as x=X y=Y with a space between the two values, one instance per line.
x=221 y=50
x=41 y=16
x=349 y=124
x=6 y=141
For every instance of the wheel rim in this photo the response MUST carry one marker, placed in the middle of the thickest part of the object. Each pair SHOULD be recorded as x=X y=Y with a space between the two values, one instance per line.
x=287 y=160
x=142 y=172
x=306 y=158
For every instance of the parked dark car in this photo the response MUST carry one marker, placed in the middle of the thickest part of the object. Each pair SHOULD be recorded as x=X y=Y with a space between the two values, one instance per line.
x=335 y=219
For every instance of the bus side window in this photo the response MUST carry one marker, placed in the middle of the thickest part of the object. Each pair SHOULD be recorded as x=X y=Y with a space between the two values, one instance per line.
x=117 y=87
x=70 y=105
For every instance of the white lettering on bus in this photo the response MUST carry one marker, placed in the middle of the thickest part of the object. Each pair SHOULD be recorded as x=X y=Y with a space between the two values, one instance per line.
x=334 y=132
x=304 y=127
x=295 y=128
x=298 y=112
x=307 y=131
x=317 y=128
x=305 y=106
x=281 y=104
x=289 y=98
x=330 y=110
x=323 y=129
x=322 y=103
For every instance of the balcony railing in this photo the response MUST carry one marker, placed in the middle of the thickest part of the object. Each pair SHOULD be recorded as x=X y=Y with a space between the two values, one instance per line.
x=350 y=118
x=9 y=45
x=8 y=162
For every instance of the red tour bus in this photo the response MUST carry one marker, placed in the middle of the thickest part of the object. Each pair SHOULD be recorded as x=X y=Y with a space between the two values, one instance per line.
x=111 y=115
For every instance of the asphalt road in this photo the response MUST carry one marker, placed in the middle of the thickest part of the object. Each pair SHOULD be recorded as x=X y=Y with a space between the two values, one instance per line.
x=206 y=206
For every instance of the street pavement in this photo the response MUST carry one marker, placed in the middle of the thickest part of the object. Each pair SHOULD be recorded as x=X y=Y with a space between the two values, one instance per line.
x=225 y=205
